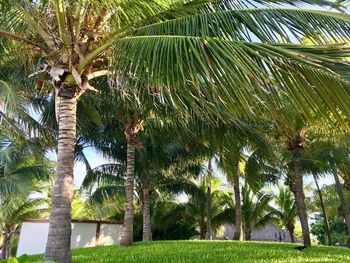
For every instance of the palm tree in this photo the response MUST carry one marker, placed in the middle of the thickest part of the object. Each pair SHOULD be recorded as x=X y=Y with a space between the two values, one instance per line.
x=129 y=119
x=73 y=40
x=238 y=234
x=295 y=145
x=21 y=164
x=343 y=202
x=291 y=133
x=196 y=209
x=156 y=160
x=286 y=210
x=169 y=220
x=335 y=212
x=12 y=211
x=331 y=155
x=160 y=160
x=15 y=103
x=239 y=147
x=156 y=150
x=256 y=210
x=208 y=180
x=319 y=192
x=315 y=162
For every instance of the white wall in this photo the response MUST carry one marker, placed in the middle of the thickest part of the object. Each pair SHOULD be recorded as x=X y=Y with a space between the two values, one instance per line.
x=268 y=233
x=33 y=236
x=83 y=235
x=110 y=234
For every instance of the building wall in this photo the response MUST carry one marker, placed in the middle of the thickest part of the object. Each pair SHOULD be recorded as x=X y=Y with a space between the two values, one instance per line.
x=83 y=235
x=270 y=233
x=110 y=234
x=33 y=236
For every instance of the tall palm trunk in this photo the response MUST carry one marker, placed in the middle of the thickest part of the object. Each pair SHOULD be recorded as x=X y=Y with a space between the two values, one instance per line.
x=290 y=229
x=58 y=242
x=347 y=180
x=202 y=231
x=323 y=211
x=248 y=235
x=347 y=184
x=6 y=239
x=343 y=203
x=147 y=231
x=238 y=234
x=290 y=181
x=300 y=196
x=128 y=226
x=208 y=234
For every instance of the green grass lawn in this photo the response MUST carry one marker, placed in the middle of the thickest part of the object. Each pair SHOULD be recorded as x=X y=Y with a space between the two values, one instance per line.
x=208 y=251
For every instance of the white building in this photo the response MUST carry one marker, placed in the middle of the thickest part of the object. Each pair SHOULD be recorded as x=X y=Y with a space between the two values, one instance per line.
x=269 y=233
x=33 y=235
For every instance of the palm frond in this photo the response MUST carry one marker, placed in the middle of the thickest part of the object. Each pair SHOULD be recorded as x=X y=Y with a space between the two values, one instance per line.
x=103 y=193
x=265 y=24
x=105 y=174
x=202 y=69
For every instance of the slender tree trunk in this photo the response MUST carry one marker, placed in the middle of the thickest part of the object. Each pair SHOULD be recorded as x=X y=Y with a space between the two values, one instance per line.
x=58 y=242
x=343 y=203
x=8 y=245
x=328 y=230
x=290 y=229
x=347 y=185
x=208 y=234
x=5 y=248
x=290 y=181
x=238 y=234
x=147 y=231
x=300 y=196
x=128 y=227
x=202 y=231
x=347 y=180
x=248 y=235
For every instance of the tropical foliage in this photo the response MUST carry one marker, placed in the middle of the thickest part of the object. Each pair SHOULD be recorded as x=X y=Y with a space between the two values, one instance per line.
x=197 y=106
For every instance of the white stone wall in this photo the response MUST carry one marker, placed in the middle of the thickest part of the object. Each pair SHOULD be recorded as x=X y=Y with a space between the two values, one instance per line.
x=83 y=235
x=33 y=236
x=268 y=233
x=110 y=234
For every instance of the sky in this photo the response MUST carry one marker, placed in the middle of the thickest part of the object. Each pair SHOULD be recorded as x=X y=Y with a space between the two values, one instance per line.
x=95 y=159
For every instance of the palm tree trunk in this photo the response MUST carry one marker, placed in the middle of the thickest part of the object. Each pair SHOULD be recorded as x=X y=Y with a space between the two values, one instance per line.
x=147 y=231
x=248 y=235
x=290 y=229
x=347 y=184
x=5 y=247
x=8 y=245
x=347 y=180
x=324 y=212
x=208 y=234
x=58 y=242
x=202 y=231
x=128 y=226
x=343 y=203
x=238 y=234
x=300 y=196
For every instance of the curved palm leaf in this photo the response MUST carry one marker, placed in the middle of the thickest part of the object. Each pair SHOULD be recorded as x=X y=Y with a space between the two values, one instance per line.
x=106 y=174
x=103 y=193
